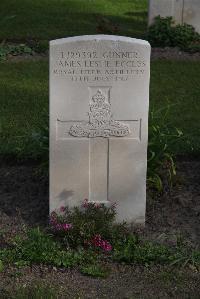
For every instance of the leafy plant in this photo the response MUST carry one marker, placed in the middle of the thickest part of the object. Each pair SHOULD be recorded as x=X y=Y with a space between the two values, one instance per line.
x=1 y=266
x=14 y=50
x=185 y=36
x=40 y=247
x=95 y=270
x=143 y=253
x=161 y=165
x=41 y=46
x=163 y=33
x=89 y=226
x=133 y=250
x=160 y=33
x=184 y=256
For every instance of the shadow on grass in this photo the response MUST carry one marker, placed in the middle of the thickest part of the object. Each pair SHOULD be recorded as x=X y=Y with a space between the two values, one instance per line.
x=26 y=20
x=140 y=14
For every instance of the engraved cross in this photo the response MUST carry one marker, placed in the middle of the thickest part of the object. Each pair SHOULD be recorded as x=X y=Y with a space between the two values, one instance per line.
x=100 y=130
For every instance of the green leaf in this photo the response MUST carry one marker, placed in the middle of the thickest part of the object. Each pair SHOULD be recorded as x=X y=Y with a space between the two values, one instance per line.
x=1 y=266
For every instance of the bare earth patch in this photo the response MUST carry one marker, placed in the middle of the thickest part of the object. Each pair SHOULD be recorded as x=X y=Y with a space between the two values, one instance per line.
x=124 y=282
x=173 y=54
x=24 y=201
x=178 y=213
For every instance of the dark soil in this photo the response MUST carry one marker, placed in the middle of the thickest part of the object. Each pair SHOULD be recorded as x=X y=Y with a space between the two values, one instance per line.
x=24 y=201
x=173 y=54
x=124 y=282
x=177 y=213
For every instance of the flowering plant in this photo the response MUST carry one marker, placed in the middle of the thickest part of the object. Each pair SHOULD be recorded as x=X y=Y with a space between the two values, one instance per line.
x=97 y=241
x=90 y=225
x=59 y=226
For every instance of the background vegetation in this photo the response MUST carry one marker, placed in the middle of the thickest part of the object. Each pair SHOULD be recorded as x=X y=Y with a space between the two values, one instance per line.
x=51 y=19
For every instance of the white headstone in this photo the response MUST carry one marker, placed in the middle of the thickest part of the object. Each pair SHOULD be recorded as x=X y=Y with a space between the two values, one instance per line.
x=166 y=8
x=191 y=13
x=182 y=11
x=99 y=95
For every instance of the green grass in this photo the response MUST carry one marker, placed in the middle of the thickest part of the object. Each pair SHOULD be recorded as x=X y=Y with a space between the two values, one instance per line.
x=177 y=83
x=24 y=100
x=50 y=19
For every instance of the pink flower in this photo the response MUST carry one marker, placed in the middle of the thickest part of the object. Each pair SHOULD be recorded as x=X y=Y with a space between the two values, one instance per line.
x=58 y=226
x=99 y=242
x=85 y=203
x=53 y=219
x=107 y=246
x=97 y=205
x=61 y=226
x=66 y=226
x=62 y=209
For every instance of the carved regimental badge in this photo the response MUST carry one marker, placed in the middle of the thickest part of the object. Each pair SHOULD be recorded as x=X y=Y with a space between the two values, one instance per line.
x=100 y=122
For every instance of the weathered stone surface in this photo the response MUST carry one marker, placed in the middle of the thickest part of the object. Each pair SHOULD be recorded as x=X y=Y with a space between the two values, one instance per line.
x=182 y=11
x=191 y=13
x=99 y=93
x=166 y=8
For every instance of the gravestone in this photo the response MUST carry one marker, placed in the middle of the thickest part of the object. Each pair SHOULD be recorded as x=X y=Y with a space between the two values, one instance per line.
x=99 y=94
x=166 y=8
x=191 y=13
x=182 y=11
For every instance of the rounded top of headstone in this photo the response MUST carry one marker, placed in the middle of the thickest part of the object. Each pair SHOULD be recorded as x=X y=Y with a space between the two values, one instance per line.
x=98 y=38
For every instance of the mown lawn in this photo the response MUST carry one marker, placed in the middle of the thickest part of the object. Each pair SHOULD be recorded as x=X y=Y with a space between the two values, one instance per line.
x=51 y=19
x=24 y=100
x=176 y=83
